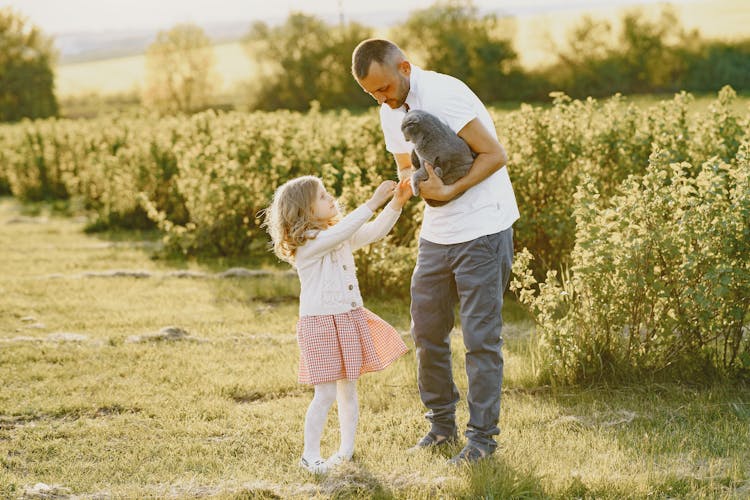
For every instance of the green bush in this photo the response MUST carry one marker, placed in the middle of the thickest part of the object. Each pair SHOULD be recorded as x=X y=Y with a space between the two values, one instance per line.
x=304 y=60
x=27 y=78
x=716 y=63
x=36 y=171
x=229 y=169
x=551 y=150
x=659 y=281
x=5 y=143
x=203 y=179
x=476 y=49
x=642 y=54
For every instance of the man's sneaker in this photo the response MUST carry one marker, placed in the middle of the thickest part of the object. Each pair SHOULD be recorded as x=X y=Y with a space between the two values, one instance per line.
x=432 y=440
x=318 y=466
x=469 y=455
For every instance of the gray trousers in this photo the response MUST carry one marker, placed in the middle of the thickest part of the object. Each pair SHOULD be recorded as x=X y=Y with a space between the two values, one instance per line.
x=474 y=274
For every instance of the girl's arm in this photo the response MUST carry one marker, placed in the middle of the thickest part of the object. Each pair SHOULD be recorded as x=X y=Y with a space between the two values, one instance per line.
x=381 y=226
x=330 y=238
x=377 y=229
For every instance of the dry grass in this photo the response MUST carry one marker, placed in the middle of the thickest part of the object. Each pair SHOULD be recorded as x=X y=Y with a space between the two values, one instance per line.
x=89 y=410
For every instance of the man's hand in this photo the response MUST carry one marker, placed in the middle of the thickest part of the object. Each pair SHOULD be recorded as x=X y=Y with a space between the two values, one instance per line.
x=433 y=188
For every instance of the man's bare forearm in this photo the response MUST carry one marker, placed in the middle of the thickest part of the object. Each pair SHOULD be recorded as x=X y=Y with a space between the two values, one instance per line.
x=403 y=164
x=484 y=165
x=404 y=173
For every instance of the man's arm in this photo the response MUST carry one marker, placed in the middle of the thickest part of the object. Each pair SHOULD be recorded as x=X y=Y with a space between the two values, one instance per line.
x=403 y=162
x=490 y=158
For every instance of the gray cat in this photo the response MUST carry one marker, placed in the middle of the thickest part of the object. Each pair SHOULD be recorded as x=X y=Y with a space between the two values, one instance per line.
x=435 y=143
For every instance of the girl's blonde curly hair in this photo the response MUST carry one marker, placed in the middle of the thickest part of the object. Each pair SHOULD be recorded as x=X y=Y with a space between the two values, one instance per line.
x=289 y=220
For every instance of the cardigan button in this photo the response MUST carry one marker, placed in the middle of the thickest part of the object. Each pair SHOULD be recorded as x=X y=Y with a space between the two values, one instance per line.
x=351 y=287
x=344 y=267
x=354 y=304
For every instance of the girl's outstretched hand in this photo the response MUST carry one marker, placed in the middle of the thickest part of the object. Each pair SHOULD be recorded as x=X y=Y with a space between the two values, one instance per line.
x=381 y=194
x=403 y=193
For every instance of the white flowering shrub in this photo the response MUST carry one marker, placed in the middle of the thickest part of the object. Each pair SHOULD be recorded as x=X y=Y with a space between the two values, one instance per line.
x=203 y=179
x=659 y=278
x=552 y=150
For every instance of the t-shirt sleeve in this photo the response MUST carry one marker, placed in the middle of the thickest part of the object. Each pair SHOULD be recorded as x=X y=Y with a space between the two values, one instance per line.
x=390 y=121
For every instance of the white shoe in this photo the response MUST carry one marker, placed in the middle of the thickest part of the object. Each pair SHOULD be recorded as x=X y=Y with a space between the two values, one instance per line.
x=338 y=459
x=317 y=466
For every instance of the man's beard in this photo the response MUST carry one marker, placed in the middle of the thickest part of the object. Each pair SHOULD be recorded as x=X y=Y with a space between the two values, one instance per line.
x=403 y=92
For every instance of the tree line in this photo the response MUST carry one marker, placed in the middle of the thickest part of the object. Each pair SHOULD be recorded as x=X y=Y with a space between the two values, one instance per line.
x=306 y=59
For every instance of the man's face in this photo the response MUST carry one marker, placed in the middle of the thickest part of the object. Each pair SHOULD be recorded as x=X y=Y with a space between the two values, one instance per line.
x=388 y=84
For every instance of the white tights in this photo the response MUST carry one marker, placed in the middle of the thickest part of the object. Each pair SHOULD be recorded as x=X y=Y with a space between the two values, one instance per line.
x=345 y=394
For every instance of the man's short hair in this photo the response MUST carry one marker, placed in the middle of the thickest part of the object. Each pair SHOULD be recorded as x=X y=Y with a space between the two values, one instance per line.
x=374 y=50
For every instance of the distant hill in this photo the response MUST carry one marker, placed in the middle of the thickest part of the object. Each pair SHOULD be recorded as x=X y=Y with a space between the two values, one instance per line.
x=109 y=62
x=99 y=45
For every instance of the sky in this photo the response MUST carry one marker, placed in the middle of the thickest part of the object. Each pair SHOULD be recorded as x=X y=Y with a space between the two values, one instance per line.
x=89 y=33
x=66 y=16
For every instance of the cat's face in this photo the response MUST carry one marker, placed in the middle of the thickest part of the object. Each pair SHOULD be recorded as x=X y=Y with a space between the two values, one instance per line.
x=412 y=125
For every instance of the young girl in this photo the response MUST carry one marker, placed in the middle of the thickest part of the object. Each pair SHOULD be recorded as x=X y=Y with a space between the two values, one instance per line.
x=338 y=338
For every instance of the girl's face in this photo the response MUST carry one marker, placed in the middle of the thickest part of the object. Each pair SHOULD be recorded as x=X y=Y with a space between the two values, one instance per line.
x=324 y=207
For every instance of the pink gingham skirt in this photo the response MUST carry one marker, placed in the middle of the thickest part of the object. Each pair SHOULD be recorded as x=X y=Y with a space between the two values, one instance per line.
x=345 y=345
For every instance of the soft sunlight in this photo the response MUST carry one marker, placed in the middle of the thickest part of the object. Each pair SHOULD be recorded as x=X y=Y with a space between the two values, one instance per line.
x=535 y=253
x=55 y=16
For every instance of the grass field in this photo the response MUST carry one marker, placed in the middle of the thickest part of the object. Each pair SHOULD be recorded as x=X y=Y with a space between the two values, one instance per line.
x=95 y=403
x=535 y=38
x=125 y=75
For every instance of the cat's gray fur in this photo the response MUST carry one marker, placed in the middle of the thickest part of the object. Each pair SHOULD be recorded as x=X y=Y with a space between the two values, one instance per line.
x=435 y=143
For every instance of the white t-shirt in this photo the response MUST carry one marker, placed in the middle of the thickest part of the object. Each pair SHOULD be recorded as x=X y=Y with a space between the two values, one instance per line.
x=486 y=208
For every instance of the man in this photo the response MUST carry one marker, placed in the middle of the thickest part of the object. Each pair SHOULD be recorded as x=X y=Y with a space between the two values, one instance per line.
x=465 y=246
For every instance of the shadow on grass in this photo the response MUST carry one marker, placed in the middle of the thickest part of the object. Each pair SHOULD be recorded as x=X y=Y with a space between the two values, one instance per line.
x=692 y=437
x=669 y=487
x=254 y=494
x=270 y=290
x=349 y=480
x=490 y=479
x=494 y=478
